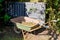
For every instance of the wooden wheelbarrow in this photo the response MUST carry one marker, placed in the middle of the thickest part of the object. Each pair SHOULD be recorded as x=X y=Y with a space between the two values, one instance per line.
x=24 y=28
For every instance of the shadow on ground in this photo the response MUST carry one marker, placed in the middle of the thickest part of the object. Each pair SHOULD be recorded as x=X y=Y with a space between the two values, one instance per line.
x=10 y=35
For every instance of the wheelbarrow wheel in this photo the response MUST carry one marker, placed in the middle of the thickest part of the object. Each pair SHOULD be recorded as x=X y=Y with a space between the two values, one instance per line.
x=16 y=30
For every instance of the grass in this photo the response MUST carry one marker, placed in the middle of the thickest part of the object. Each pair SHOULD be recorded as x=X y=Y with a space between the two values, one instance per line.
x=10 y=38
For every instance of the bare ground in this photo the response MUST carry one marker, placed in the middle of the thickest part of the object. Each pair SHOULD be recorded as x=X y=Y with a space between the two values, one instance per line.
x=40 y=34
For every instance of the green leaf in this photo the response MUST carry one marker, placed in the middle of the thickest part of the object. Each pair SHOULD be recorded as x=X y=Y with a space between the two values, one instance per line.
x=6 y=17
x=1 y=0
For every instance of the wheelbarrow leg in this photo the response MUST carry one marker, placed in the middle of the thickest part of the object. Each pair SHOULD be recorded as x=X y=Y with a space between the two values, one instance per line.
x=25 y=34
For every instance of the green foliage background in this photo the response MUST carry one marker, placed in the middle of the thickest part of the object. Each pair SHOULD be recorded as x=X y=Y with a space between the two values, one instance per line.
x=6 y=17
x=53 y=9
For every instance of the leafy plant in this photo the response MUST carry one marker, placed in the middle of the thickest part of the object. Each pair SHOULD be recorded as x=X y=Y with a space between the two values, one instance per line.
x=53 y=12
x=6 y=18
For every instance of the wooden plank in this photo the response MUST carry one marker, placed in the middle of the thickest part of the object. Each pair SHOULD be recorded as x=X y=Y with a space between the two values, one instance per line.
x=35 y=29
